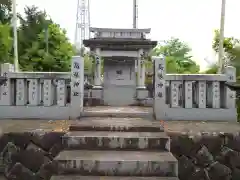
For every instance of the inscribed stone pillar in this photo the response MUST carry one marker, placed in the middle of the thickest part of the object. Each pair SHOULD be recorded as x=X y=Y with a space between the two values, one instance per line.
x=230 y=96
x=141 y=69
x=215 y=94
x=175 y=93
x=21 y=88
x=159 y=106
x=202 y=95
x=97 y=73
x=61 y=92
x=77 y=87
x=47 y=92
x=188 y=90
x=6 y=88
x=34 y=92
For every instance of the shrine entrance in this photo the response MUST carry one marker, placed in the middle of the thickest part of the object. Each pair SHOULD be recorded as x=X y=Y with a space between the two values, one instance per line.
x=122 y=53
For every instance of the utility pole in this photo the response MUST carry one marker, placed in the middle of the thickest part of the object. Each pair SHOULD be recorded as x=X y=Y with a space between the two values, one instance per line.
x=15 y=39
x=221 y=38
x=135 y=14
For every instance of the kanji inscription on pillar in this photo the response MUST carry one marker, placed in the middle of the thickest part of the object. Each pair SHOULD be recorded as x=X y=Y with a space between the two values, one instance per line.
x=188 y=94
x=159 y=79
x=61 y=92
x=175 y=93
x=216 y=94
x=21 y=92
x=77 y=87
x=48 y=92
x=202 y=94
x=33 y=92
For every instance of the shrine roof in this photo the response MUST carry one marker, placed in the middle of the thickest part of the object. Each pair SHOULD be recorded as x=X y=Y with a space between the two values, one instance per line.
x=94 y=29
x=118 y=44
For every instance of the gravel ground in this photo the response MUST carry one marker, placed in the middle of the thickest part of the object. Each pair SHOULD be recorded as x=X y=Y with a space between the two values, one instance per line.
x=171 y=126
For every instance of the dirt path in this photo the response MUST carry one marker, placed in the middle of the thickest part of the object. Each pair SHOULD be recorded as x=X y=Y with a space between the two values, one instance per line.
x=172 y=126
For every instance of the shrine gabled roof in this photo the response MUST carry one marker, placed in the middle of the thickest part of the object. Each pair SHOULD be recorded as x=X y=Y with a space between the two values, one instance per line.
x=119 y=42
x=94 y=29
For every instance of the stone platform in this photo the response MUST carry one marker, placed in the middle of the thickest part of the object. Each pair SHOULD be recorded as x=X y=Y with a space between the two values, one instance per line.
x=110 y=178
x=120 y=112
x=204 y=150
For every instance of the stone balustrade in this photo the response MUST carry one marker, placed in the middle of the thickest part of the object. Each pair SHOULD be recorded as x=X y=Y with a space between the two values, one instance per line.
x=193 y=96
x=59 y=95
x=42 y=95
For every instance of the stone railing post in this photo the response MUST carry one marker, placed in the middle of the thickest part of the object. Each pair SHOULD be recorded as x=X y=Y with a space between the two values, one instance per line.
x=6 y=89
x=77 y=87
x=230 y=96
x=141 y=70
x=97 y=73
x=159 y=105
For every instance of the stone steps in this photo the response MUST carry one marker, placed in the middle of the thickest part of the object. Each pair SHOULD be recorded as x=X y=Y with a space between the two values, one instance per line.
x=105 y=140
x=115 y=148
x=110 y=178
x=117 y=124
x=117 y=163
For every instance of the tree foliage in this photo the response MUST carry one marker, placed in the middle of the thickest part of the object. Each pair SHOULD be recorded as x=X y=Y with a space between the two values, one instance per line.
x=5 y=11
x=231 y=52
x=42 y=44
x=178 y=58
x=5 y=43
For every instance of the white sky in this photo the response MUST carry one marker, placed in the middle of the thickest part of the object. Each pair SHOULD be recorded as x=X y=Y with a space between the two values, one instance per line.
x=193 y=21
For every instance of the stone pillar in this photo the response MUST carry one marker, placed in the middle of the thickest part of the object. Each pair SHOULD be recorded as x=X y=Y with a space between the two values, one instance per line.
x=142 y=92
x=77 y=87
x=159 y=105
x=97 y=94
x=230 y=96
x=48 y=92
x=61 y=92
x=141 y=70
x=6 y=89
x=34 y=92
x=202 y=94
x=97 y=72
x=21 y=92
x=188 y=94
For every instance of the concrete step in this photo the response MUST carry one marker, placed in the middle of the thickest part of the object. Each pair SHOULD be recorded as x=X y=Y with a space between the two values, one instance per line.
x=117 y=163
x=107 y=140
x=120 y=112
x=117 y=124
x=110 y=178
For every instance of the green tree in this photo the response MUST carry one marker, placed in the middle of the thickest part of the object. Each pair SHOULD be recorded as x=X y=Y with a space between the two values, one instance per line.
x=5 y=11
x=178 y=59
x=58 y=57
x=5 y=43
x=43 y=45
x=231 y=53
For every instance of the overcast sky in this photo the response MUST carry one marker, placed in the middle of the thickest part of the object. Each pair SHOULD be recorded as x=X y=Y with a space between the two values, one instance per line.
x=190 y=20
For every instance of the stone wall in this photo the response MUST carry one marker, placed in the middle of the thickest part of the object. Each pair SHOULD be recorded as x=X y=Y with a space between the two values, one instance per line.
x=207 y=156
x=203 y=156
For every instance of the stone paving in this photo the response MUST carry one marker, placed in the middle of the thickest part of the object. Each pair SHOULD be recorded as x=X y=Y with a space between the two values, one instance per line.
x=212 y=153
x=170 y=126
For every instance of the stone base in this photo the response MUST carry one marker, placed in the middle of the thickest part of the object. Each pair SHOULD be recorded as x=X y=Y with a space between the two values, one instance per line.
x=211 y=155
x=142 y=93
x=97 y=96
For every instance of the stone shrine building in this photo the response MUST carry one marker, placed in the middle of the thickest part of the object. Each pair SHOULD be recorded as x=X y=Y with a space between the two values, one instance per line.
x=122 y=52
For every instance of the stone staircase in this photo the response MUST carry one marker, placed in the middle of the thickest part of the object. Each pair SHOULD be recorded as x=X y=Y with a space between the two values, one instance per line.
x=114 y=149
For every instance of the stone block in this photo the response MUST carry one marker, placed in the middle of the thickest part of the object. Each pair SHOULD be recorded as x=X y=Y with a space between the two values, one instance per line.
x=76 y=177
x=97 y=93
x=96 y=140
x=142 y=94
x=124 y=125
x=117 y=163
